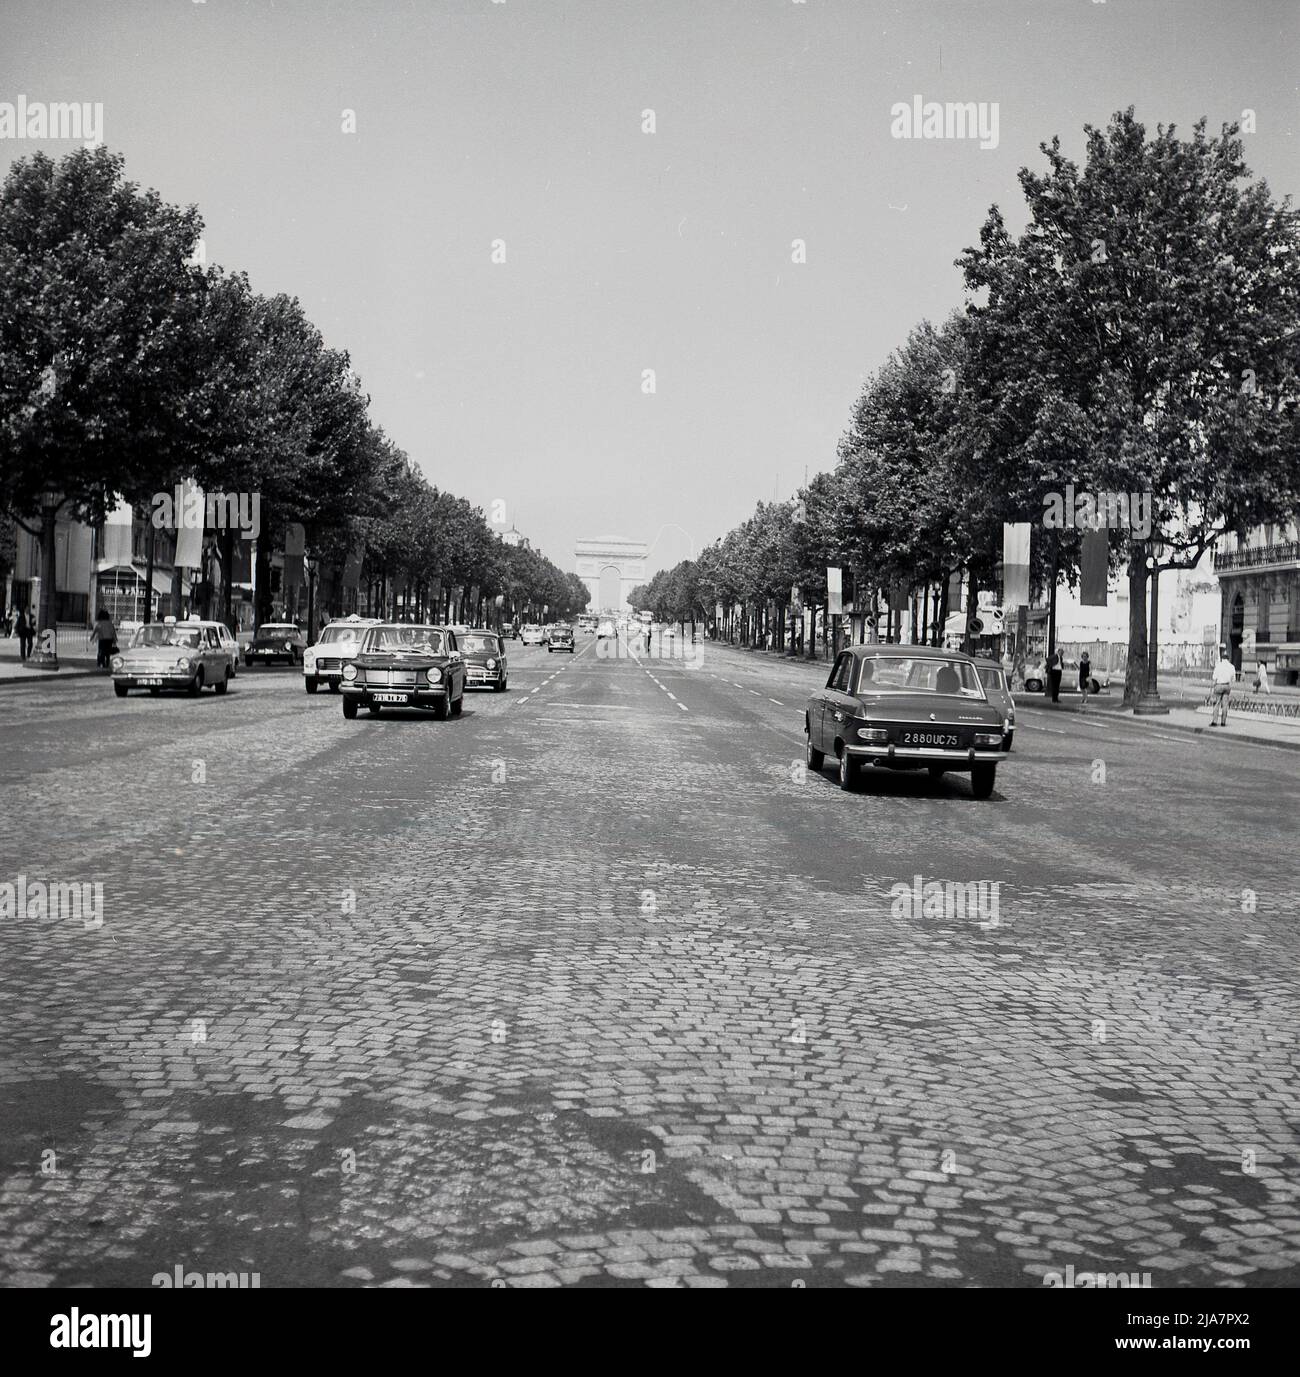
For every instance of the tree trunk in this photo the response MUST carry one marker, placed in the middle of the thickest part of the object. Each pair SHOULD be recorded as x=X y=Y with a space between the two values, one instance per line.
x=1135 y=672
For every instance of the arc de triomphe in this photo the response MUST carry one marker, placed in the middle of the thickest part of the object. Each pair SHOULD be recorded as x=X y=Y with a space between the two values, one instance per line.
x=611 y=567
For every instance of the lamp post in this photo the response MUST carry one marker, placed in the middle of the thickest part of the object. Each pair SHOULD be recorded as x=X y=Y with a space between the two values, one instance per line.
x=1149 y=704
x=309 y=562
x=46 y=653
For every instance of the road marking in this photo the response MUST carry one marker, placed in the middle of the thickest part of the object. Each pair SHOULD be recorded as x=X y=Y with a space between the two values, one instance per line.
x=683 y=706
x=756 y=693
x=777 y=701
x=673 y=696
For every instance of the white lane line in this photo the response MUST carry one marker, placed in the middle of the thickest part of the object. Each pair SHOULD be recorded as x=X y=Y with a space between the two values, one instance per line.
x=683 y=707
x=673 y=696
x=756 y=693
x=777 y=701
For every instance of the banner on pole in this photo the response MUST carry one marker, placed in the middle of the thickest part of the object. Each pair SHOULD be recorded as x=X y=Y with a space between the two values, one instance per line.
x=1015 y=564
x=1093 y=568
x=834 y=591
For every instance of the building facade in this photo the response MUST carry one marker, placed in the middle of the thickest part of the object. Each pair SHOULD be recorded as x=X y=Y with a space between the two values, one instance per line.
x=611 y=567
x=1259 y=580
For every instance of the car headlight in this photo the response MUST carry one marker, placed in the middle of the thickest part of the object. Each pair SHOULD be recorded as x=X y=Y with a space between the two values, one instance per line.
x=988 y=738
x=117 y=662
x=874 y=734
x=349 y=671
x=491 y=664
x=183 y=663
x=433 y=674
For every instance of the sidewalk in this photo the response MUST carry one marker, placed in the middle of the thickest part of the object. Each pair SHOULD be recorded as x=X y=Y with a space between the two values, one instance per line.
x=76 y=661
x=1182 y=716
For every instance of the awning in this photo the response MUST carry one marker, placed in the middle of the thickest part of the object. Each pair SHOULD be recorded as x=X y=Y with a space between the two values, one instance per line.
x=109 y=572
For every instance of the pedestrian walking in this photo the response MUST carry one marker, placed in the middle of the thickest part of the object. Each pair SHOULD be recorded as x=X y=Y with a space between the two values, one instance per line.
x=24 y=629
x=1085 y=674
x=1261 y=678
x=1225 y=675
x=1055 y=668
x=106 y=635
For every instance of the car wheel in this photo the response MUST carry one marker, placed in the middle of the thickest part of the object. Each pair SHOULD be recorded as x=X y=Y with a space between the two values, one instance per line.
x=334 y=687
x=120 y=690
x=981 y=780
x=196 y=687
x=937 y=771
x=224 y=684
x=373 y=709
x=1033 y=686
x=458 y=704
x=440 y=709
x=154 y=692
x=815 y=758
x=311 y=685
x=848 y=772
x=349 y=708
x=499 y=686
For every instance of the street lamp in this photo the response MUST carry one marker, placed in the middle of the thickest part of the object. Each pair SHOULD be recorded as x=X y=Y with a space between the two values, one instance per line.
x=1149 y=704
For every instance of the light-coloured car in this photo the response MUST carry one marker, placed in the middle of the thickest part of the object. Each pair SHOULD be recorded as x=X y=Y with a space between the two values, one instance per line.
x=1036 y=677
x=605 y=630
x=532 y=635
x=339 y=642
x=170 y=655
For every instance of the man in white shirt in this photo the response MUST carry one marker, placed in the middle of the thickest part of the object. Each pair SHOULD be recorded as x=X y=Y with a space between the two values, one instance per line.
x=1225 y=675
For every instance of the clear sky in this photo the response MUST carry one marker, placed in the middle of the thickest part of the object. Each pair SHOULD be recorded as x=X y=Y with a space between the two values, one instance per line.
x=522 y=121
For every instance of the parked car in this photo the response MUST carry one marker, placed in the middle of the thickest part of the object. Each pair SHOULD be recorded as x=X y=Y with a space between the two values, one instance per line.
x=906 y=708
x=993 y=678
x=560 y=638
x=532 y=635
x=400 y=665
x=485 y=660
x=171 y=655
x=323 y=662
x=275 y=641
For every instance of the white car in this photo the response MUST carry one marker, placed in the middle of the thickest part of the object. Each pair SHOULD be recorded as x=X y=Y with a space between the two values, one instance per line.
x=339 y=642
x=605 y=629
x=532 y=635
x=1036 y=677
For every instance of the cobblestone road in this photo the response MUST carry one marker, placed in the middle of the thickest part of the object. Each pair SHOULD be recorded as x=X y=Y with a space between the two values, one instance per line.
x=598 y=985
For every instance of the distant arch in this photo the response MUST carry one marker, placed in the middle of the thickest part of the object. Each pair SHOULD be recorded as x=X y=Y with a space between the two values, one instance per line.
x=611 y=587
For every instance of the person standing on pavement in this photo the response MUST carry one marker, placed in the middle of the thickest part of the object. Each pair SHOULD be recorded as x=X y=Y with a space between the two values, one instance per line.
x=23 y=627
x=105 y=635
x=1261 y=678
x=1055 y=668
x=1225 y=675
x=1085 y=674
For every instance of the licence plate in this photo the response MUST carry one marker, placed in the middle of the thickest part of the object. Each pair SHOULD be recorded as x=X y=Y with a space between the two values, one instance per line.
x=946 y=740
x=389 y=697
x=150 y=683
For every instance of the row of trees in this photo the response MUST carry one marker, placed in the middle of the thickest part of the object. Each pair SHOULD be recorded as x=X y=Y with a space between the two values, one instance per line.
x=128 y=365
x=1140 y=336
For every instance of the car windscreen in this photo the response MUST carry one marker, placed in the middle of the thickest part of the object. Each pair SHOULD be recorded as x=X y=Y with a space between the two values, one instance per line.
x=405 y=640
x=276 y=629
x=340 y=633
x=185 y=637
x=904 y=674
x=479 y=645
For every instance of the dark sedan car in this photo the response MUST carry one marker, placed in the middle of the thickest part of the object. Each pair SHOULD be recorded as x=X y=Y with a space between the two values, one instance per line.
x=275 y=641
x=906 y=708
x=559 y=638
x=402 y=666
x=485 y=659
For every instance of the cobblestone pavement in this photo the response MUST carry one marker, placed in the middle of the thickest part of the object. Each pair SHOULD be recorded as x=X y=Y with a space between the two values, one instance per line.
x=598 y=985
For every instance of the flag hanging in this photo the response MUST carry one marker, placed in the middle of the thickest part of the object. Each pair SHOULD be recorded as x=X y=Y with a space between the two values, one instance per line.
x=1093 y=570
x=1015 y=564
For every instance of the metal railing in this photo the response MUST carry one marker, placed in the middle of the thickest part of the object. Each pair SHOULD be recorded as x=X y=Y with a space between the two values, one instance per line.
x=1251 y=556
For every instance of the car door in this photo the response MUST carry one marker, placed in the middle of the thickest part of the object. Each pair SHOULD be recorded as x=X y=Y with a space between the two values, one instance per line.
x=840 y=704
x=818 y=708
x=214 y=658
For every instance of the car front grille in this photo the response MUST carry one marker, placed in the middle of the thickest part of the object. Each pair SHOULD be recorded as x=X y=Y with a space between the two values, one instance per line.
x=327 y=664
x=391 y=678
